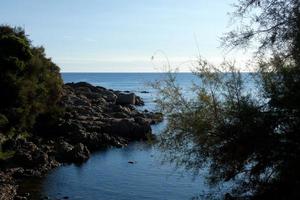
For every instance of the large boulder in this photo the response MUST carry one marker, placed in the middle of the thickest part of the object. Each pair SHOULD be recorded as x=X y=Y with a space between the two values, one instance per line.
x=79 y=153
x=63 y=150
x=126 y=99
x=68 y=153
x=139 y=101
x=129 y=128
x=109 y=96
x=154 y=117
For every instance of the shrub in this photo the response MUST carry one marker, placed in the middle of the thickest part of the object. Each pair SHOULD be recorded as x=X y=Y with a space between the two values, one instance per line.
x=30 y=83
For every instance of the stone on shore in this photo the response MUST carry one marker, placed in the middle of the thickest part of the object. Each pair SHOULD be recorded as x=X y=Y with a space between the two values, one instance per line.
x=126 y=99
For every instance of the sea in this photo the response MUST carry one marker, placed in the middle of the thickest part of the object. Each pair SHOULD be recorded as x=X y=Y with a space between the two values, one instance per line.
x=107 y=175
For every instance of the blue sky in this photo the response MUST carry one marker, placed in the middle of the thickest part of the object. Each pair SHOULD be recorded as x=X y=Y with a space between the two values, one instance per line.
x=119 y=35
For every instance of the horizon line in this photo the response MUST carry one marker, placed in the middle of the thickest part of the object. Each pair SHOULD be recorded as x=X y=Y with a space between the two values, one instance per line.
x=147 y=72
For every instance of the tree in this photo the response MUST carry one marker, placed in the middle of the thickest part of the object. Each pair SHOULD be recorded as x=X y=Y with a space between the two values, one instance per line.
x=30 y=83
x=249 y=138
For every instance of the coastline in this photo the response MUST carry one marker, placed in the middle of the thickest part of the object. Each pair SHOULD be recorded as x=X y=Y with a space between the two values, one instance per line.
x=95 y=118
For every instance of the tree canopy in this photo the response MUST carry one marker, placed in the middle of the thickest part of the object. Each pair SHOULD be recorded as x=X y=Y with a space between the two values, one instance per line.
x=30 y=83
x=249 y=136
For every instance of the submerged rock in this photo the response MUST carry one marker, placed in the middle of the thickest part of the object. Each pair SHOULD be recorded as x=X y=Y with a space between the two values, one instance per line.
x=144 y=92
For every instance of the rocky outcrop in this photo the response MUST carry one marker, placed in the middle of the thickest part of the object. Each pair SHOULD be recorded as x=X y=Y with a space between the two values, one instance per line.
x=94 y=118
x=79 y=153
x=129 y=128
x=98 y=117
x=8 y=188
x=126 y=99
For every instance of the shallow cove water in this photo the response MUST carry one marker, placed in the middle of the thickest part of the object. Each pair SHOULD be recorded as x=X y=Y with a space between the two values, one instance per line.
x=108 y=174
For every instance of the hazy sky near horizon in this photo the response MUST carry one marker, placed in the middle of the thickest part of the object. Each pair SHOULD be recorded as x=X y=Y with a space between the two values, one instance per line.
x=122 y=36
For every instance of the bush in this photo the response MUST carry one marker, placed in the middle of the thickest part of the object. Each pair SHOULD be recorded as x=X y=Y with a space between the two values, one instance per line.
x=250 y=138
x=30 y=83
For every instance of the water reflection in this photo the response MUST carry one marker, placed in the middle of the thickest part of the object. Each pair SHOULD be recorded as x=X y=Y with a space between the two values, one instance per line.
x=108 y=175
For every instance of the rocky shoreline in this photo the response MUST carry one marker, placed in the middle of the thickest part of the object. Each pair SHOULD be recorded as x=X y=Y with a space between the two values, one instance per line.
x=94 y=118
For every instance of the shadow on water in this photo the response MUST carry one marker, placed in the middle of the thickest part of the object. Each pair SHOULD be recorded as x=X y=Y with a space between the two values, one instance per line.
x=133 y=172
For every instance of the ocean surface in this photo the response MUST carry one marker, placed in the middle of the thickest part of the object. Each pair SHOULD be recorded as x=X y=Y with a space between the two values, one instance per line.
x=107 y=174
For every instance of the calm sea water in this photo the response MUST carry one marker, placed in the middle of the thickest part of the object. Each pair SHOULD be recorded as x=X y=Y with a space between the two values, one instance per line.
x=107 y=174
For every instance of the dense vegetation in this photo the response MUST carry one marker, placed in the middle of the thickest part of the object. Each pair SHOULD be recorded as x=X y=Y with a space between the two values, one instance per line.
x=30 y=84
x=247 y=137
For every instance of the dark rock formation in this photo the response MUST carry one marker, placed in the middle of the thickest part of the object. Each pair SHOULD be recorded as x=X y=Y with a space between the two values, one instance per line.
x=94 y=118
x=79 y=153
x=8 y=188
x=98 y=117
x=126 y=99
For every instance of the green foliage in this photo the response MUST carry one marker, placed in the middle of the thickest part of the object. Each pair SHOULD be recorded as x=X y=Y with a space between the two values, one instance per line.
x=247 y=137
x=30 y=83
x=6 y=155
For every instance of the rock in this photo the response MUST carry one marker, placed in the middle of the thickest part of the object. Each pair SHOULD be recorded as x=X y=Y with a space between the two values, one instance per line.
x=111 y=112
x=8 y=188
x=120 y=115
x=126 y=99
x=95 y=118
x=32 y=173
x=93 y=95
x=113 y=140
x=39 y=158
x=139 y=101
x=77 y=101
x=110 y=96
x=63 y=147
x=154 y=118
x=79 y=153
x=29 y=155
x=63 y=150
x=145 y=92
x=119 y=108
x=129 y=128
x=140 y=120
x=92 y=140
x=20 y=198
x=17 y=172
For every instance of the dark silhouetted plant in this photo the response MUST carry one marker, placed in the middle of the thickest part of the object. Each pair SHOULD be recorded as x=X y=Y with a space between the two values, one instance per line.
x=30 y=83
x=249 y=136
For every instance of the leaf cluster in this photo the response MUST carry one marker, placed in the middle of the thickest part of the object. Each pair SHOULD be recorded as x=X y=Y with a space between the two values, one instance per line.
x=30 y=83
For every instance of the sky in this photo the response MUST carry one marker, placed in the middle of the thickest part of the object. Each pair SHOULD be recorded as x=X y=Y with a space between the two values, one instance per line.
x=123 y=36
